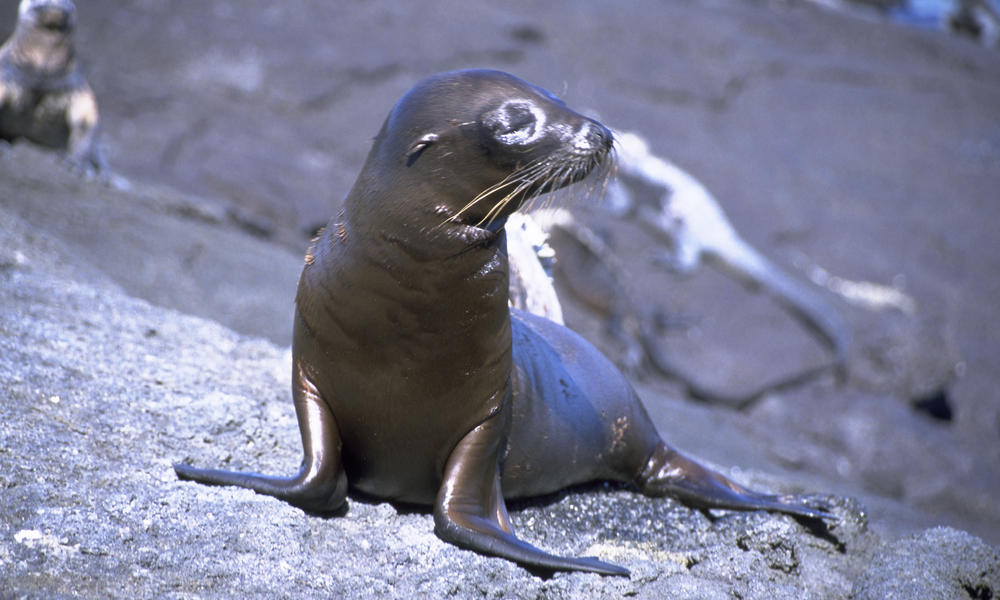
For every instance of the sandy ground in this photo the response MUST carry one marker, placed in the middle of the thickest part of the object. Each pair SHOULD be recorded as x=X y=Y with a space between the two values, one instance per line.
x=866 y=149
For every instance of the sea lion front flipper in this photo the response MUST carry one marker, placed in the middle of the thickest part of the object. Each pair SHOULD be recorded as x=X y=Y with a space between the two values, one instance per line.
x=83 y=151
x=470 y=513
x=320 y=486
x=669 y=473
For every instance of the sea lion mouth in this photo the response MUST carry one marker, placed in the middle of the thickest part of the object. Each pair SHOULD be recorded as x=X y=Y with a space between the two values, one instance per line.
x=54 y=19
x=528 y=182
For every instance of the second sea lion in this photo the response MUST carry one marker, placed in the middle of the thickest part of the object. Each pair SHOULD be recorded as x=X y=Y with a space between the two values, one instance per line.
x=44 y=96
x=412 y=379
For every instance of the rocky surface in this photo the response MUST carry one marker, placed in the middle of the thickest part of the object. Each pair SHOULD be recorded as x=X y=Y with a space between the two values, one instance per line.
x=866 y=149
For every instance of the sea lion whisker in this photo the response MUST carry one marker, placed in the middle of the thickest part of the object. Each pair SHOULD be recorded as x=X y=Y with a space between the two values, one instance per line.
x=503 y=202
x=495 y=210
x=549 y=182
x=601 y=171
x=562 y=176
x=518 y=177
x=478 y=198
x=609 y=173
x=594 y=185
x=540 y=179
x=597 y=183
x=552 y=184
x=511 y=179
x=506 y=182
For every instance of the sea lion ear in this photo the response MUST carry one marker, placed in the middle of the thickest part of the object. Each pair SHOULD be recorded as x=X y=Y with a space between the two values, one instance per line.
x=419 y=146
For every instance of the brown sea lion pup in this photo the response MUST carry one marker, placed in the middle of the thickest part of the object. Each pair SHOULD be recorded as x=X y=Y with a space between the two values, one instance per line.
x=414 y=382
x=44 y=97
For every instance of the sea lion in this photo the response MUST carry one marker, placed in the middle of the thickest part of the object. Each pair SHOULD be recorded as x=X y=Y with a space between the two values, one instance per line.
x=44 y=97
x=412 y=379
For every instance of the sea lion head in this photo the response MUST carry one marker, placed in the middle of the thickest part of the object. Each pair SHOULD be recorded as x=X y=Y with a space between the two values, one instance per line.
x=57 y=16
x=479 y=143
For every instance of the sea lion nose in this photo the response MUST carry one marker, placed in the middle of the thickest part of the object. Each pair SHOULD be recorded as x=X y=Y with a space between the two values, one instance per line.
x=54 y=15
x=597 y=136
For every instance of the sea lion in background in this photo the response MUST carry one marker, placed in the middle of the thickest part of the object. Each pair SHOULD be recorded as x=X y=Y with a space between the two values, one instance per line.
x=44 y=97
x=412 y=379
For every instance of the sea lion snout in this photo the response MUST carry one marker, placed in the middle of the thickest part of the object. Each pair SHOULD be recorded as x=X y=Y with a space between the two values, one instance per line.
x=592 y=138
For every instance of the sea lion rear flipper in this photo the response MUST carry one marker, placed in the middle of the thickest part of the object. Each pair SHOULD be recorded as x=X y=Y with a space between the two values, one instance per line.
x=470 y=512
x=320 y=486
x=670 y=473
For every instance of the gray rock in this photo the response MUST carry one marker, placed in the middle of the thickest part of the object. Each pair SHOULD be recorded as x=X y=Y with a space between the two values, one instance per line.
x=169 y=248
x=937 y=563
